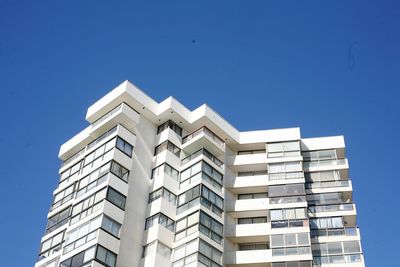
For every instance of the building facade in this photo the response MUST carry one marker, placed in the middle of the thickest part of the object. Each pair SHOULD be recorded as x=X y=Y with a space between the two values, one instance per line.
x=155 y=184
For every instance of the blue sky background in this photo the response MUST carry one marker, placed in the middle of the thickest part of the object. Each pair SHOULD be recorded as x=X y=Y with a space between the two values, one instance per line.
x=330 y=67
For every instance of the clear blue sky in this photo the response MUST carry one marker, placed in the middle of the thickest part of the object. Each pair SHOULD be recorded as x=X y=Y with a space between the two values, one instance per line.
x=330 y=67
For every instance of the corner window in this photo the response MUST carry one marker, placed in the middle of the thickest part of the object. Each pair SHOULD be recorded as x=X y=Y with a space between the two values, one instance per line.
x=116 y=198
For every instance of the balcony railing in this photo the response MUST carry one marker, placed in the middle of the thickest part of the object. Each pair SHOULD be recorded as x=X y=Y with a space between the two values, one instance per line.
x=330 y=208
x=285 y=200
x=205 y=153
x=327 y=184
x=204 y=130
x=291 y=251
x=320 y=163
x=336 y=259
x=286 y=176
x=345 y=231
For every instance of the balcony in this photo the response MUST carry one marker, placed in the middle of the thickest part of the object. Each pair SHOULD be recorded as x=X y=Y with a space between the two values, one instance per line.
x=335 y=234
x=248 y=233
x=203 y=138
x=248 y=207
x=348 y=210
x=327 y=187
x=246 y=162
x=247 y=184
x=248 y=257
x=330 y=164
x=122 y=114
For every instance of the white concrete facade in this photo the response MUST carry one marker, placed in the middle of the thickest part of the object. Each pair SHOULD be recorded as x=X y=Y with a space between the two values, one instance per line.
x=155 y=184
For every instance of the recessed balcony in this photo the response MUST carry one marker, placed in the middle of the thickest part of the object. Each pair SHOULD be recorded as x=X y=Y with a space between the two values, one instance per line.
x=247 y=184
x=248 y=233
x=246 y=162
x=248 y=207
x=249 y=257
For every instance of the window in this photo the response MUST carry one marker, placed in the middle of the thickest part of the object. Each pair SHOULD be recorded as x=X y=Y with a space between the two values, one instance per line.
x=165 y=168
x=288 y=240
x=252 y=196
x=281 y=200
x=81 y=234
x=167 y=145
x=207 y=198
x=58 y=220
x=170 y=124
x=162 y=219
x=211 y=227
x=284 y=218
x=284 y=149
x=252 y=173
x=157 y=247
x=189 y=195
x=80 y=258
x=329 y=222
x=286 y=190
x=252 y=220
x=51 y=263
x=250 y=152
x=62 y=197
x=162 y=192
x=337 y=248
x=70 y=174
x=285 y=167
x=253 y=246
x=326 y=198
x=190 y=174
x=351 y=247
x=124 y=146
x=204 y=152
x=103 y=136
x=105 y=256
x=88 y=206
x=319 y=155
x=212 y=175
x=98 y=154
x=51 y=245
x=119 y=171
x=287 y=214
x=201 y=170
x=110 y=226
x=322 y=176
x=185 y=250
x=93 y=179
x=212 y=201
x=116 y=198
x=292 y=264
x=187 y=225
x=209 y=255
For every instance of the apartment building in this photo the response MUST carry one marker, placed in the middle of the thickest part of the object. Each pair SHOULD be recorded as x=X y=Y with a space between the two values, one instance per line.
x=155 y=184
